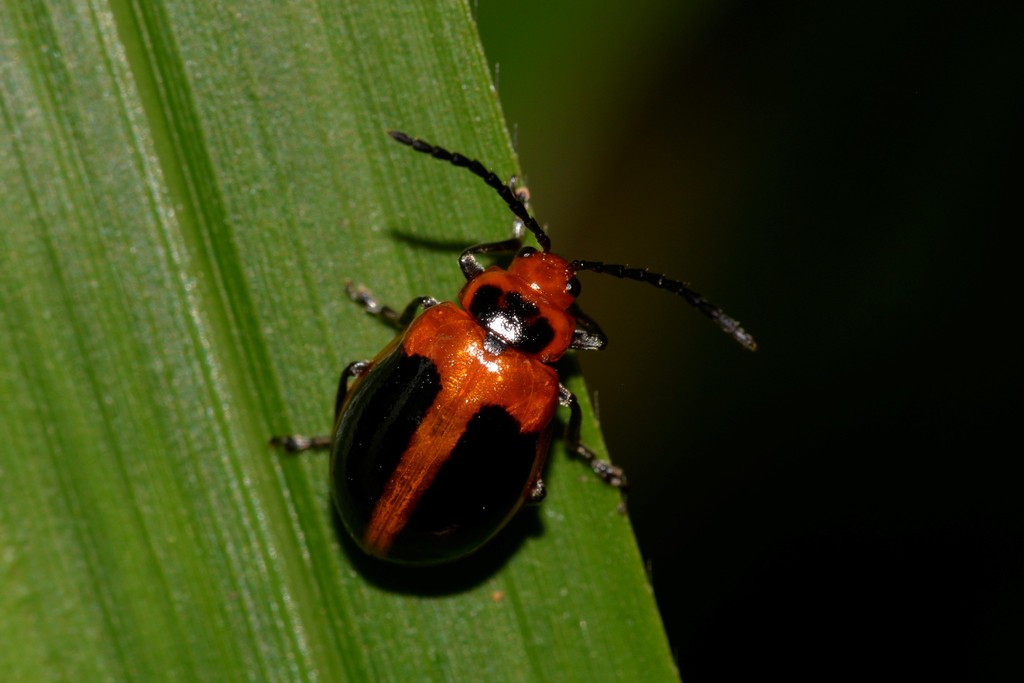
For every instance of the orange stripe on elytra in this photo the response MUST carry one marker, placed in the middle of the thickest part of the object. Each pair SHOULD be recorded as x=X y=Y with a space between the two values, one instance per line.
x=471 y=378
x=433 y=441
x=437 y=435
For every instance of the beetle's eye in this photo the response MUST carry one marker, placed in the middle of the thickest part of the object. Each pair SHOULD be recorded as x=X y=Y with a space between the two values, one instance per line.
x=526 y=251
x=573 y=287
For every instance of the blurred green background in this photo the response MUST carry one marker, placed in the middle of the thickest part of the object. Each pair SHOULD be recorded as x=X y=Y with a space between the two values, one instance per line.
x=839 y=177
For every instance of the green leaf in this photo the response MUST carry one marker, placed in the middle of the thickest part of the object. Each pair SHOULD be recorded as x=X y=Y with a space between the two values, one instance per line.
x=186 y=186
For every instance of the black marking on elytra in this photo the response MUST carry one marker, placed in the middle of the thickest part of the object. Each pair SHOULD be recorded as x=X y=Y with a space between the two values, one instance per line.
x=483 y=479
x=387 y=408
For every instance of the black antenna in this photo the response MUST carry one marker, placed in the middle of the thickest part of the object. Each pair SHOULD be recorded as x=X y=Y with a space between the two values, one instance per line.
x=488 y=177
x=730 y=326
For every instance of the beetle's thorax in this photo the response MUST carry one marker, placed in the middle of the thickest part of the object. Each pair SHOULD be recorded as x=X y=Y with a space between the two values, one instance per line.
x=524 y=307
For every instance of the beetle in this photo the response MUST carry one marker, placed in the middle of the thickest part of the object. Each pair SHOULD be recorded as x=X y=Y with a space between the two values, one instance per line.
x=442 y=437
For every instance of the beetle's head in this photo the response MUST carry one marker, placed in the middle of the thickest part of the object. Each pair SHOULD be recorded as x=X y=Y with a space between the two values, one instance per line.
x=547 y=274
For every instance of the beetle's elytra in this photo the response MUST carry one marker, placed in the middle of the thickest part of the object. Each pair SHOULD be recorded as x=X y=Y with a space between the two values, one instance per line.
x=442 y=437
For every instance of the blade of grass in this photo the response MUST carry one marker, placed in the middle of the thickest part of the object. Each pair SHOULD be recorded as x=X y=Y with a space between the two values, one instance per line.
x=185 y=188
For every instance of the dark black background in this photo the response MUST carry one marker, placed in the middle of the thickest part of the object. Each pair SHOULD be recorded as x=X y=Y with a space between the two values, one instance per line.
x=844 y=178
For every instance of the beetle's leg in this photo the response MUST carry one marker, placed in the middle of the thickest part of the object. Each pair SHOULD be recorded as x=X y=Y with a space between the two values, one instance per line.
x=294 y=443
x=362 y=296
x=608 y=472
x=471 y=267
x=522 y=194
x=587 y=336
x=414 y=307
x=356 y=369
x=537 y=492
x=467 y=260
